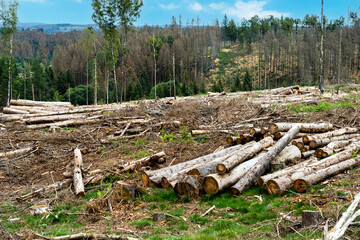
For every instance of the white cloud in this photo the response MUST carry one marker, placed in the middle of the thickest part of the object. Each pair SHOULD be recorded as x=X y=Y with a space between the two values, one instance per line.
x=247 y=10
x=196 y=7
x=170 y=6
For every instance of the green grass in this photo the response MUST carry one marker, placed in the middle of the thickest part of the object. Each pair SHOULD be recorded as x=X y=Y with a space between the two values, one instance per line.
x=321 y=106
x=161 y=196
x=143 y=223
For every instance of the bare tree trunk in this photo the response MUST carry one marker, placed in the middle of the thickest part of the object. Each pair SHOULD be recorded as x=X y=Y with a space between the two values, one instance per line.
x=33 y=93
x=78 y=180
x=116 y=87
x=87 y=78
x=10 y=83
x=107 y=86
x=95 y=85
x=322 y=49
x=174 y=75
x=339 y=59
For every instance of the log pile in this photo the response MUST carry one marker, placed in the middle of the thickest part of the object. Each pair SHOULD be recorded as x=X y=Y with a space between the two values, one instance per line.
x=245 y=163
x=285 y=96
x=39 y=115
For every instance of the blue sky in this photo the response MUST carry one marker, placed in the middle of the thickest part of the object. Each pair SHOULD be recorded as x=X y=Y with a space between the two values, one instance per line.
x=159 y=12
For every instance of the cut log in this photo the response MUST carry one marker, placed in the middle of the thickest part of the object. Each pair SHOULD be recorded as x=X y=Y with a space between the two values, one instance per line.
x=331 y=134
x=16 y=152
x=254 y=131
x=304 y=127
x=7 y=110
x=146 y=161
x=301 y=185
x=78 y=180
x=67 y=123
x=264 y=179
x=289 y=154
x=307 y=154
x=328 y=150
x=328 y=153
x=239 y=157
x=215 y=183
x=21 y=102
x=190 y=186
x=260 y=167
x=57 y=118
x=281 y=184
x=215 y=94
x=79 y=236
x=325 y=141
x=150 y=178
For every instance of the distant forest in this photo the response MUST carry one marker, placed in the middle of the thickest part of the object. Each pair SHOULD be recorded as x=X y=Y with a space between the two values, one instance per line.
x=59 y=66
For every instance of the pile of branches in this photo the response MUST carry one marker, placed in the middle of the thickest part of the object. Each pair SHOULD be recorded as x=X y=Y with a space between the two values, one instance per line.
x=239 y=167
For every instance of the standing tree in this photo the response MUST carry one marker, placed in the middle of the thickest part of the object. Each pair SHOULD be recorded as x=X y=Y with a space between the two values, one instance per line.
x=155 y=44
x=322 y=49
x=127 y=11
x=86 y=43
x=105 y=17
x=9 y=19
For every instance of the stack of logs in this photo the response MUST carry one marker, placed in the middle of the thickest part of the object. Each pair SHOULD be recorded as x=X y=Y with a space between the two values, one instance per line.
x=239 y=167
x=284 y=96
x=38 y=115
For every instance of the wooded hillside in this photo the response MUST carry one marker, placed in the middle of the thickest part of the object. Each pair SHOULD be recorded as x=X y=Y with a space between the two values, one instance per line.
x=275 y=52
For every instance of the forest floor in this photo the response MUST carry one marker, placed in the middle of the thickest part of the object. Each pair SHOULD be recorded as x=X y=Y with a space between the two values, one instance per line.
x=254 y=215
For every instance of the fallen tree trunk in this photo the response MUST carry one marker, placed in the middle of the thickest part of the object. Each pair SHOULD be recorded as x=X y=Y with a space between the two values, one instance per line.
x=339 y=132
x=146 y=161
x=215 y=183
x=289 y=154
x=281 y=184
x=325 y=141
x=260 y=167
x=66 y=123
x=215 y=94
x=57 y=118
x=15 y=152
x=307 y=154
x=304 y=127
x=301 y=185
x=77 y=177
x=21 y=102
x=190 y=186
x=7 y=110
x=150 y=178
x=331 y=146
x=239 y=157
x=264 y=179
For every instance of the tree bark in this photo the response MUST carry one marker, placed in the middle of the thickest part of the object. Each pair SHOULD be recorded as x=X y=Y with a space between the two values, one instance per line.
x=146 y=161
x=289 y=154
x=306 y=139
x=281 y=184
x=260 y=167
x=304 y=127
x=154 y=177
x=67 y=123
x=301 y=185
x=325 y=141
x=239 y=157
x=21 y=102
x=77 y=178
x=15 y=152
x=215 y=183
x=264 y=179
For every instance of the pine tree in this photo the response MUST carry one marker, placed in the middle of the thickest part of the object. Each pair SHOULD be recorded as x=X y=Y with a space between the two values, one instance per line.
x=247 y=83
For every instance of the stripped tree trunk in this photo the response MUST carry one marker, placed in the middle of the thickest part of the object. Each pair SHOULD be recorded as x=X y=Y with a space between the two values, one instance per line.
x=339 y=132
x=254 y=173
x=304 y=127
x=239 y=157
x=78 y=180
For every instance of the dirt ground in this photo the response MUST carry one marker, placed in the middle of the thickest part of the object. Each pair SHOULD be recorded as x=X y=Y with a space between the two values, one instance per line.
x=53 y=154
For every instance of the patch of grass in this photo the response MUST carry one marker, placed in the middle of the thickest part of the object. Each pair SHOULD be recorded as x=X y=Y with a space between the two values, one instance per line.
x=202 y=138
x=198 y=219
x=185 y=134
x=321 y=106
x=161 y=195
x=143 y=223
x=166 y=136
